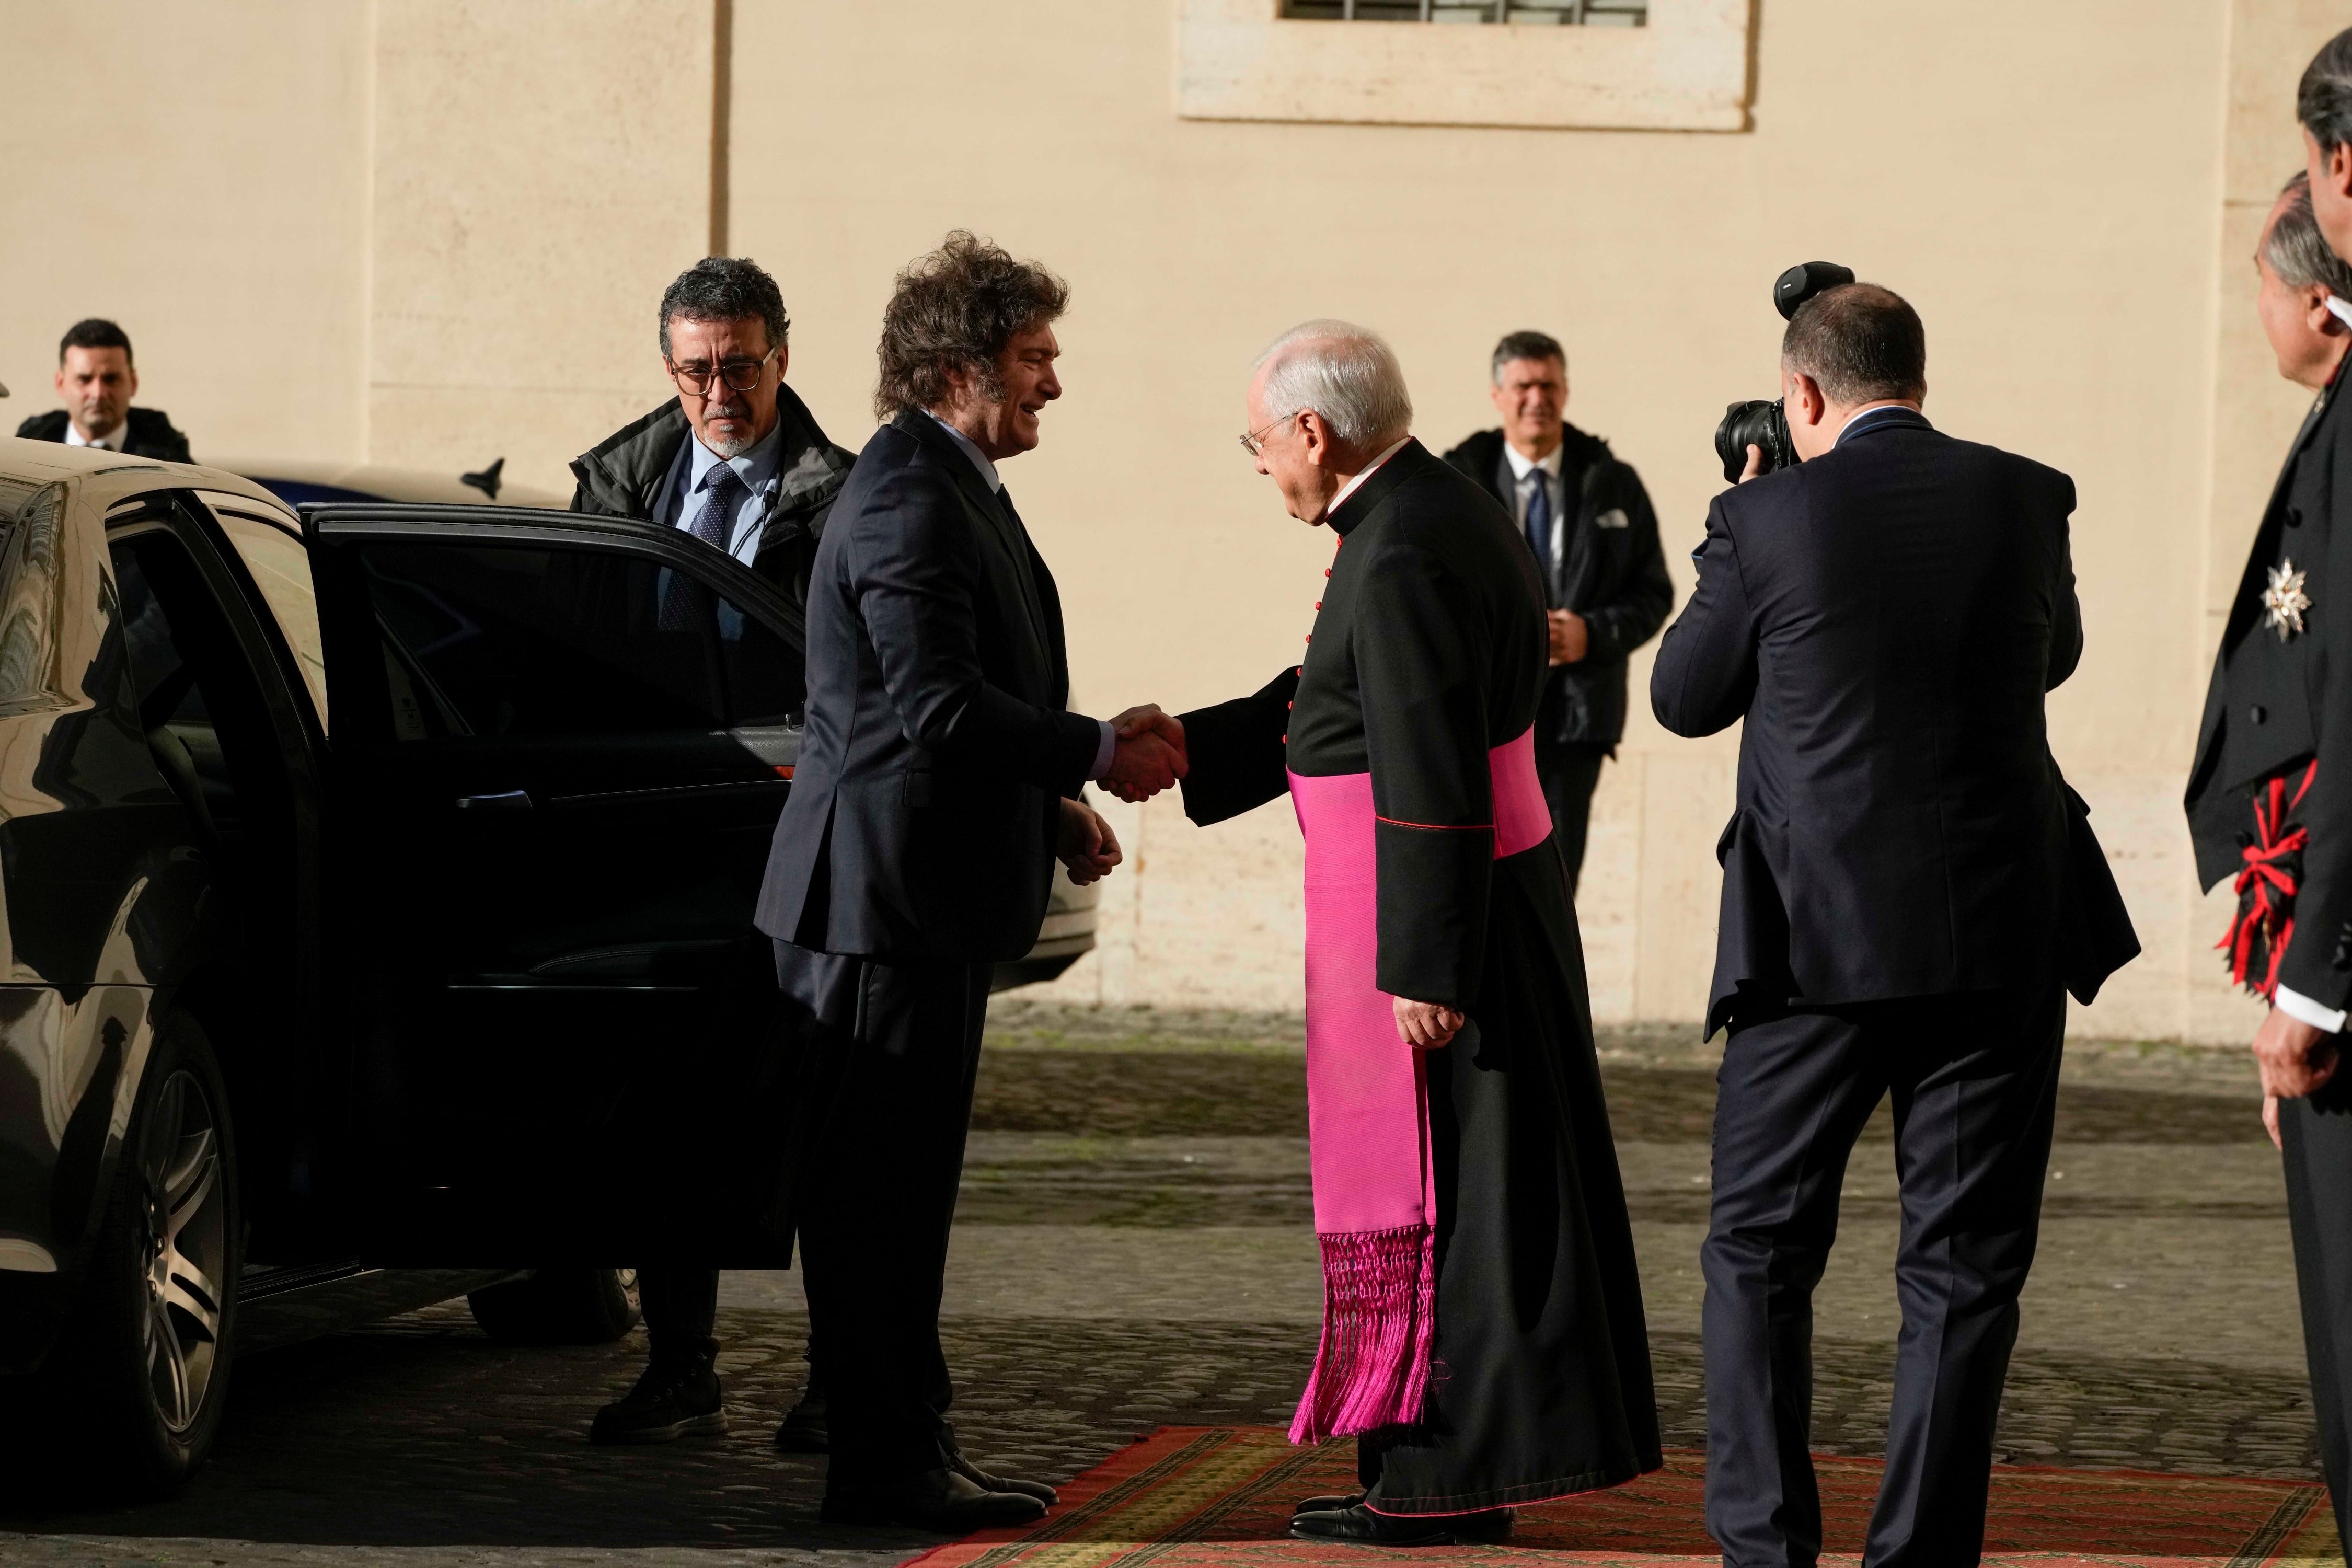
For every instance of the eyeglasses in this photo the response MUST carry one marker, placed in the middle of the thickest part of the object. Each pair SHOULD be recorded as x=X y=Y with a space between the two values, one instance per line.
x=693 y=377
x=1254 y=442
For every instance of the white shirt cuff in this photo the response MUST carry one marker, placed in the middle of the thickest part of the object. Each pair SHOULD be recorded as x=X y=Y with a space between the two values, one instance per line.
x=2298 y=1007
x=1109 y=745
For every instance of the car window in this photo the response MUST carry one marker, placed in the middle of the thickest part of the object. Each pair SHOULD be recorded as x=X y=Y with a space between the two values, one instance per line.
x=28 y=599
x=281 y=570
x=508 y=639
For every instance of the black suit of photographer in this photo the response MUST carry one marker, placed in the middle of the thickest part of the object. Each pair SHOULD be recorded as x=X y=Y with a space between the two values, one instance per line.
x=1909 y=890
x=1604 y=563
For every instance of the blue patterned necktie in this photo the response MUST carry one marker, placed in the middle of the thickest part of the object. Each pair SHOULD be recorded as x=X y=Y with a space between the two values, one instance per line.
x=723 y=496
x=1539 y=519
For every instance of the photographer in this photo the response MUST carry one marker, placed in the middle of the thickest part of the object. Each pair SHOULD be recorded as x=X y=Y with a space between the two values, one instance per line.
x=1909 y=891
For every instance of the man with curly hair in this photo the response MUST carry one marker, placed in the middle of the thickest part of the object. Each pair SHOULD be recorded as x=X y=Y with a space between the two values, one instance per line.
x=939 y=780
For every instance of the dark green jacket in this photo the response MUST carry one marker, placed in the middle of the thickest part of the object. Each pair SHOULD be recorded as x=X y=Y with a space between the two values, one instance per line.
x=622 y=476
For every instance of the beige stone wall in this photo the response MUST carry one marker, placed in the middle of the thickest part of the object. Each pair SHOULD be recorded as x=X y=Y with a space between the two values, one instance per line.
x=541 y=170
x=428 y=232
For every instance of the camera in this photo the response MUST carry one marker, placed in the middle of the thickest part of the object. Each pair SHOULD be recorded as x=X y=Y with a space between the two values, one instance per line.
x=1765 y=424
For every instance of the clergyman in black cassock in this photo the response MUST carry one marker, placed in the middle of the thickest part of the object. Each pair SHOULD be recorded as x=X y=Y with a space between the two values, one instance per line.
x=2266 y=800
x=1426 y=660
x=1909 y=890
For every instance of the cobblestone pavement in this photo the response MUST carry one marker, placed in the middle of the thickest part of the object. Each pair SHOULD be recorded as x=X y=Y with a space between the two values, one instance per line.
x=1135 y=1248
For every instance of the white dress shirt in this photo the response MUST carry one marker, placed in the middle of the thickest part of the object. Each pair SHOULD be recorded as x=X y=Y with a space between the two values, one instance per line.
x=111 y=441
x=989 y=476
x=1527 y=473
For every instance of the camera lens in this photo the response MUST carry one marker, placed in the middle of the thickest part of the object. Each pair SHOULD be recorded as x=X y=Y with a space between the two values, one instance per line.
x=1757 y=424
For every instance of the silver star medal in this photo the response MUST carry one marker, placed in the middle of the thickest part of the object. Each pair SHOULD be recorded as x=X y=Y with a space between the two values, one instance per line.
x=2284 y=600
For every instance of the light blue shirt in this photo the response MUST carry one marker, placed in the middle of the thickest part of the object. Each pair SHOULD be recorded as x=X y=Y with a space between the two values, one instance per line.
x=683 y=492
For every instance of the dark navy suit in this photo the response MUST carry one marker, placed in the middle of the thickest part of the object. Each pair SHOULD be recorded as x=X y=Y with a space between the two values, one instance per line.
x=917 y=849
x=1909 y=890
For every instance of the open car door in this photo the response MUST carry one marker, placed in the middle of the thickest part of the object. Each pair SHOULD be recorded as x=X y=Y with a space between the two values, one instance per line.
x=561 y=747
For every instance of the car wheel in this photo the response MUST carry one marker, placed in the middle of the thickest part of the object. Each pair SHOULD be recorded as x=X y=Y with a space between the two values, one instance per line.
x=559 y=1307
x=142 y=1374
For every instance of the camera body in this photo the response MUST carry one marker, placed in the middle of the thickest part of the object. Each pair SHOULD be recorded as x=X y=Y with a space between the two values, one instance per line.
x=1765 y=424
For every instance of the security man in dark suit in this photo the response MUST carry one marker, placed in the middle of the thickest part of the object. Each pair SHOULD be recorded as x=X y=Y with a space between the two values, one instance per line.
x=97 y=380
x=1909 y=891
x=1605 y=586
x=2267 y=805
x=939 y=780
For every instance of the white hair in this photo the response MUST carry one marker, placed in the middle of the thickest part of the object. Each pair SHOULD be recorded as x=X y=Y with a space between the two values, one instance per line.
x=1347 y=373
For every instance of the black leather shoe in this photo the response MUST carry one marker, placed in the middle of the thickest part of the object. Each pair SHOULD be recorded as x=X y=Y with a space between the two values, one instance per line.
x=1328 y=1504
x=804 y=1430
x=989 y=1483
x=1361 y=1526
x=672 y=1399
x=935 y=1499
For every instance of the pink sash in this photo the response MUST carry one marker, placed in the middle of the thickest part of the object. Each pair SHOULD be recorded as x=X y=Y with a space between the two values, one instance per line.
x=1368 y=1111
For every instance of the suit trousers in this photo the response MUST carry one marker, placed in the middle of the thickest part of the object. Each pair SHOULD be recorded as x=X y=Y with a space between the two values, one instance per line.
x=681 y=1311
x=890 y=1052
x=2317 y=1135
x=1570 y=770
x=1974 y=1077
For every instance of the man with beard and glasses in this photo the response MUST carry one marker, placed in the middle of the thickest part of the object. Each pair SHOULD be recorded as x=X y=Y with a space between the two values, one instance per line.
x=736 y=461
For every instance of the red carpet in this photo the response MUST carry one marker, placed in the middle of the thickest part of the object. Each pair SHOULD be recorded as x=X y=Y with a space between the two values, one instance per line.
x=1196 y=1496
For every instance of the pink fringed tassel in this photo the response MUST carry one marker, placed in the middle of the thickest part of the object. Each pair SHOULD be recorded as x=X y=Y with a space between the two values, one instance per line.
x=1379 y=1319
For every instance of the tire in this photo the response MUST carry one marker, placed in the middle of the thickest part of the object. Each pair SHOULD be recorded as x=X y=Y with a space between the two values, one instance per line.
x=559 y=1307
x=142 y=1374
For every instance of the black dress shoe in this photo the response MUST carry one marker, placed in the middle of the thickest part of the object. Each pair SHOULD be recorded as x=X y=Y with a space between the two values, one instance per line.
x=1363 y=1527
x=935 y=1499
x=672 y=1399
x=1328 y=1504
x=804 y=1430
x=989 y=1483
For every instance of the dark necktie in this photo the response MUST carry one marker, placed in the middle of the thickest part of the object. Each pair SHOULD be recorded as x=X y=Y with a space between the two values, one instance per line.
x=723 y=497
x=1539 y=520
x=1022 y=543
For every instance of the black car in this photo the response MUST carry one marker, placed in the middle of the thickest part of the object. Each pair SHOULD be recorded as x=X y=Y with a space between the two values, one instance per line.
x=375 y=892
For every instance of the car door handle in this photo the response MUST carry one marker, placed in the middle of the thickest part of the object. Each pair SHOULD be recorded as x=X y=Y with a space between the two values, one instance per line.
x=507 y=800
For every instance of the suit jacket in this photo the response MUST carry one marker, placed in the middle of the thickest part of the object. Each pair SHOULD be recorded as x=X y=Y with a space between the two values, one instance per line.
x=2268 y=705
x=1608 y=569
x=1887 y=618
x=621 y=475
x=925 y=799
x=147 y=433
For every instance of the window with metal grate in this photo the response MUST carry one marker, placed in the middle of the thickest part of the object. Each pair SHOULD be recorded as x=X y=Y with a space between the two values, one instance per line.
x=1537 y=13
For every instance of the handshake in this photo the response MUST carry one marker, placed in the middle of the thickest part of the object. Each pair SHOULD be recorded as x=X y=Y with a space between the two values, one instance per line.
x=1147 y=756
